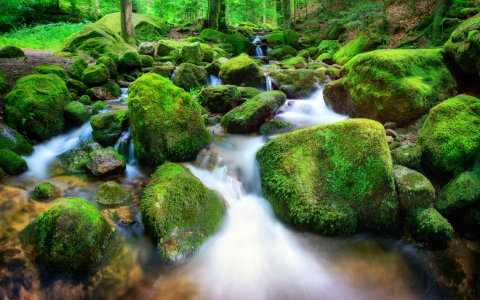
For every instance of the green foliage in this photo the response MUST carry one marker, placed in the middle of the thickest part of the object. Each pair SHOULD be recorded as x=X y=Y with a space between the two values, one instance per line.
x=362 y=14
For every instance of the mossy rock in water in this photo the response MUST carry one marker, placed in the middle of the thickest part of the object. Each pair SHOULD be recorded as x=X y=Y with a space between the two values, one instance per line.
x=67 y=238
x=79 y=86
x=11 y=163
x=163 y=71
x=77 y=158
x=190 y=76
x=242 y=69
x=85 y=100
x=11 y=52
x=146 y=49
x=459 y=193
x=298 y=83
x=450 y=137
x=428 y=227
x=107 y=91
x=331 y=178
x=110 y=63
x=280 y=52
x=44 y=190
x=51 y=69
x=78 y=66
x=165 y=122
x=362 y=43
x=408 y=156
x=103 y=162
x=108 y=127
x=338 y=98
x=95 y=39
x=414 y=190
x=219 y=98
x=274 y=125
x=76 y=113
x=291 y=38
x=395 y=85
x=179 y=211
x=249 y=116
x=214 y=67
x=273 y=39
x=98 y=106
x=95 y=75
x=111 y=193
x=239 y=44
x=191 y=53
x=248 y=92
x=10 y=139
x=35 y=106
x=207 y=52
x=131 y=60
x=147 y=61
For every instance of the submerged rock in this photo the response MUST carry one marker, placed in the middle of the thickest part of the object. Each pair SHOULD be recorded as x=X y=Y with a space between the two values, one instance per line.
x=108 y=127
x=179 y=211
x=298 y=83
x=460 y=192
x=242 y=69
x=111 y=193
x=105 y=162
x=190 y=76
x=414 y=190
x=11 y=163
x=76 y=113
x=274 y=125
x=44 y=190
x=429 y=227
x=11 y=52
x=10 y=139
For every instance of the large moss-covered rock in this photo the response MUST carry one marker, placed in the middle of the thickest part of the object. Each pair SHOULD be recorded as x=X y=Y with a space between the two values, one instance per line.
x=131 y=60
x=108 y=127
x=207 y=52
x=450 y=137
x=394 y=85
x=11 y=52
x=249 y=116
x=79 y=86
x=111 y=193
x=242 y=69
x=273 y=39
x=214 y=67
x=110 y=63
x=147 y=61
x=11 y=163
x=98 y=106
x=298 y=83
x=164 y=48
x=458 y=193
x=78 y=66
x=247 y=92
x=146 y=49
x=219 y=98
x=103 y=162
x=331 y=178
x=165 y=122
x=69 y=237
x=164 y=71
x=408 y=156
x=239 y=44
x=95 y=75
x=85 y=100
x=279 y=53
x=10 y=139
x=190 y=76
x=429 y=227
x=273 y=125
x=179 y=211
x=52 y=69
x=44 y=190
x=35 y=106
x=414 y=190
x=94 y=40
x=76 y=113
x=191 y=53
x=362 y=43
x=291 y=38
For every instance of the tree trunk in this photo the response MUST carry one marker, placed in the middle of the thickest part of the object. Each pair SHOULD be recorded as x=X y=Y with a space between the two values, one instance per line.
x=278 y=9
x=126 y=19
x=264 y=12
x=221 y=22
x=287 y=15
x=199 y=10
x=441 y=7
x=58 y=4
x=161 y=9
x=212 y=13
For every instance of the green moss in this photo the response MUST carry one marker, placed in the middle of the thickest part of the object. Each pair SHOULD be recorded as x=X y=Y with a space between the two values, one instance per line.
x=111 y=194
x=78 y=66
x=191 y=53
x=3 y=85
x=163 y=71
x=219 y=98
x=44 y=190
x=11 y=163
x=98 y=106
x=294 y=63
x=429 y=227
x=335 y=32
x=35 y=105
x=304 y=54
x=414 y=190
x=76 y=113
x=12 y=140
x=179 y=211
x=69 y=237
x=110 y=63
x=165 y=47
x=190 y=76
x=331 y=177
x=207 y=52
x=11 y=52
x=249 y=116
x=147 y=61
x=95 y=75
x=131 y=60
x=280 y=52
x=79 y=86
x=458 y=193
x=274 y=125
x=85 y=100
x=297 y=83
x=242 y=69
x=291 y=38
x=334 y=73
x=274 y=39
x=248 y=92
x=220 y=53
x=51 y=69
x=104 y=162
x=216 y=65
x=239 y=44
x=408 y=156
x=164 y=120
x=108 y=127
x=361 y=44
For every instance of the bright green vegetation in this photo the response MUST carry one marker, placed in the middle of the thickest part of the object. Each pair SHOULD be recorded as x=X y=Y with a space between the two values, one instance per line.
x=450 y=138
x=11 y=52
x=274 y=125
x=110 y=63
x=427 y=226
x=414 y=190
x=326 y=58
x=190 y=76
x=12 y=140
x=108 y=127
x=85 y=100
x=274 y=39
x=219 y=98
x=247 y=92
x=179 y=211
x=297 y=62
x=361 y=44
x=214 y=67
x=408 y=156
x=78 y=66
x=249 y=116
x=332 y=178
x=147 y=61
x=44 y=190
x=95 y=75
x=458 y=193
x=297 y=83
x=165 y=122
x=111 y=194
x=98 y=106
x=69 y=237
x=76 y=113
x=130 y=60
x=11 y=163
x=35 y=105
x=291 y=38
x=208 y=53
x=239 y=44
x=279 y=53
x=51 y=69
x=242 y=69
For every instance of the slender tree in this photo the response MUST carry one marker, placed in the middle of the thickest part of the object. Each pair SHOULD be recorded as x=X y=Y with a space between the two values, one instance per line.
x=126 y=20
x=221 y=22
x=287 y=15
x=212 y=13
x=278 y=9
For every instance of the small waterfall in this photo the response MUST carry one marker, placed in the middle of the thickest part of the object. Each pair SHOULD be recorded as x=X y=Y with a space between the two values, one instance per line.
x=269 y=84
x=125 y=147
x=257 y=39
x=124 y=93
x=269 y=49
x=174 y=74
x=214 y=80
x=258 y=51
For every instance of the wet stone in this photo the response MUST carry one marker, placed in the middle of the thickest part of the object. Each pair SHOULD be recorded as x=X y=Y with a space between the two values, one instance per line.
x=15 y=263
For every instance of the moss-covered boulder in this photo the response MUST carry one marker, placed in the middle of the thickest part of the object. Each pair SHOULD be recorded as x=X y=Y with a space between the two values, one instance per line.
x=147 y=61
x=69 y=237
x=450 y=137
x=131 y=60
x=165 y=122
x=428 y=227
x=293 y=63
x=107 y=91
x=11 y=52
x=280 y=52
x=44 y=190
x=362 y=43
x=393 y=85
x=146 y=49
x=11 y=163
x=110 y=63
x=95 y=39
x=249 y=116
x=218 y=53
x=164 y=71
x=85 y=100
x=79 y=86
x=190 y=76
x=103 y=162
x=331 y=178
x=214 y=67
x=76 y=113
x=95 y=75
x=298 y=83
x=98 y=106
x=164 y=48
x=247 y=92
x=108 y=127
x=239 y=44
x=408 y=156
x=274 y=125
x=191 y=53
x=78 y=66
x=460 y=192
x=334 y=73
x=111 y=194
x=291 y=38
x=325 y=58
x=273 y=39
x=242 y=69
x=10 y=139
x=35 y=106
x=179 y=211
x=219 y=98
x=208 y=53
x=414 y=190
x=51 y=69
